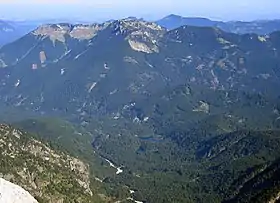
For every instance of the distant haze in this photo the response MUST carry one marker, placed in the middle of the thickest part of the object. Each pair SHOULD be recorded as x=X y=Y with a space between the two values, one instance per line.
x=92 y=10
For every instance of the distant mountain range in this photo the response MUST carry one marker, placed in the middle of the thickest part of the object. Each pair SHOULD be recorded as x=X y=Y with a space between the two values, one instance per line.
x=183 y=115
x=6 y=33
x=11 y=31
x=240 y=27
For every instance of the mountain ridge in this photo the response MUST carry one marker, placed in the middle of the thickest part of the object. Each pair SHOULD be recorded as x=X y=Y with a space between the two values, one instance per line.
x=45 y=54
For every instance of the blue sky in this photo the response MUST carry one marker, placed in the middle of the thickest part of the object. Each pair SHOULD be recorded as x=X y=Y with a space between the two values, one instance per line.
x=150 y=9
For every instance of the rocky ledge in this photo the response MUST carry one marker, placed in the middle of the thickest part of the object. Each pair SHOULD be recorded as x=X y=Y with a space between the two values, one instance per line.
x=11 y=193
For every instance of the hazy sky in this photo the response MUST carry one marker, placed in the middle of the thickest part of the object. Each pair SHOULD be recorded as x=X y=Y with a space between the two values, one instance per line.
x=150 y=9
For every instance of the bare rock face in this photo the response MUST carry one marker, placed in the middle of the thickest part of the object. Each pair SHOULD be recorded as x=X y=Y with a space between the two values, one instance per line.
x=58 y=32
x=11 y=193
x=142 y=36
